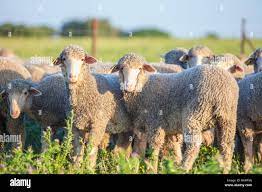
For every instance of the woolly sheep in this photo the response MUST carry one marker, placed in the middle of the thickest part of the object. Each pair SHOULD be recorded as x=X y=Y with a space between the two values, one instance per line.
x=96 y=101
x=173 y=57
x=203 y=55
x=185 y=103
x=6 y=53
x=249 y=121
x=105 y=68
x=229 y=62
x=46 y=102
x=196 y=55
x=164 y=68
x=40 y=69
x=10 y=70
x=10 y=55
x=255 y=59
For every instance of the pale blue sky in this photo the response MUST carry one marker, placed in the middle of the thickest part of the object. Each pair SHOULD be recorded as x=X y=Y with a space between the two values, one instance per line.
x=182 y=18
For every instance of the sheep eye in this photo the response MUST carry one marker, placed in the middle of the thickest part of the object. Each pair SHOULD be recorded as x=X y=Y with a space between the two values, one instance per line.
x=25 y=93
x=63 y=59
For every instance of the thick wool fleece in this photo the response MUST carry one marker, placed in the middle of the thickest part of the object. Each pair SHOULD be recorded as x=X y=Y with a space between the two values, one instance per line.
x=188 y=102
x=50 y=108
x=10 y=70
x=98 y=108
x=249 y=118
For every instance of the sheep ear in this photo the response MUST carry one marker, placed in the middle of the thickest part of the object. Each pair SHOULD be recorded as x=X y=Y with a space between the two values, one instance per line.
x=89 y=59
x=34 y=91
x=114 y=69
x=57 y=61
x=184 y=58
x=250 y=61
x=149 y=68
x=236 y=68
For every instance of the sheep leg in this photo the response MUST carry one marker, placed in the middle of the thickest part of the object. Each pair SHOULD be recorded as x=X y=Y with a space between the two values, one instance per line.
x=139 y=145
x=193 y=140
x=123 y=143
x=177 y=142
x=259 y=152
x=156 y=138
x=94 y=139
x=226 y=141
x=78 y=149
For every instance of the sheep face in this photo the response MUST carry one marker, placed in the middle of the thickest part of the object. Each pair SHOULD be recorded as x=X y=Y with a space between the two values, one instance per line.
x=196 y=56
x=131 y=68
x=18 y=94
x=71 y=61
x=256 y=60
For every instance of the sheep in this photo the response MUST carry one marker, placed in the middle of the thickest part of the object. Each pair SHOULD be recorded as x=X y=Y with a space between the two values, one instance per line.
x=195 y=56
x=184 y=103
x=39 y=70
x=228 y=62
x=173 y=57
x=164 y=68
x=203 y=55
x=95 y=99
x=10 y=55
x=10 y=70
x=255 y=59
x=46 y=102
x=104 y=68
x=249 y=119
x=6 y=53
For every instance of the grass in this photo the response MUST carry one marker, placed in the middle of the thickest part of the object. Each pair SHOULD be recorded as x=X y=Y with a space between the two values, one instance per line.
x=56 y=159
x=111 y=49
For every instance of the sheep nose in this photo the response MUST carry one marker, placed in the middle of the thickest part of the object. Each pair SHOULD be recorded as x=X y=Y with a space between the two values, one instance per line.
x=72 y=78
x=15 y=114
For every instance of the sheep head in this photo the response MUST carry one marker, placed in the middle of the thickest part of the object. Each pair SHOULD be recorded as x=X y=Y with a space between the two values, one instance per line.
x=131 y=69
x=18 y=92
x=255 y=59
x=71 y=61
x=196 y=55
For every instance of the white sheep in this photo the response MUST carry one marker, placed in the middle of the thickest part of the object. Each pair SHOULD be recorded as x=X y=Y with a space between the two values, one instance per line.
x=96 y=101
x=186 y=103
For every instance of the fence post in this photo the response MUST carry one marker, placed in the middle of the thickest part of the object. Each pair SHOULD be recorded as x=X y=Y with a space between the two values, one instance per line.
x=244 y=39
x=94 y=36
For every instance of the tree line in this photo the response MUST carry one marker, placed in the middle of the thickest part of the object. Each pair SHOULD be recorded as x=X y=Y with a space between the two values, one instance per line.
x=76 y=28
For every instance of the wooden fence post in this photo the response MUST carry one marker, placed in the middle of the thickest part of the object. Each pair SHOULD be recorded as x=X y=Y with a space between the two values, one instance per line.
x=94 y=36
x=244 y=38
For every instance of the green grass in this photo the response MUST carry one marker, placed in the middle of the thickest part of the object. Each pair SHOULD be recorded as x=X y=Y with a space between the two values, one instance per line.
x=57 y=159
x=111 y=49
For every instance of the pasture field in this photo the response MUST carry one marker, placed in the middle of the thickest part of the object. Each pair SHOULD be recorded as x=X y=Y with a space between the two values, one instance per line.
x=111 y=49
x=56 y=159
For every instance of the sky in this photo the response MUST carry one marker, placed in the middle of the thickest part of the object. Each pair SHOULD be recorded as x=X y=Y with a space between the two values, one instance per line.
x=182 y=18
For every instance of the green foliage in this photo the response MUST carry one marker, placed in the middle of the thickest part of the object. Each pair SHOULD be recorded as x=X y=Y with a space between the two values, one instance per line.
x=24 y=30
x=151 y=32
x=212 y=35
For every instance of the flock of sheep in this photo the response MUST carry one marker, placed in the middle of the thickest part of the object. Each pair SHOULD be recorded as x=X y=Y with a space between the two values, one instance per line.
x=194 y=98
